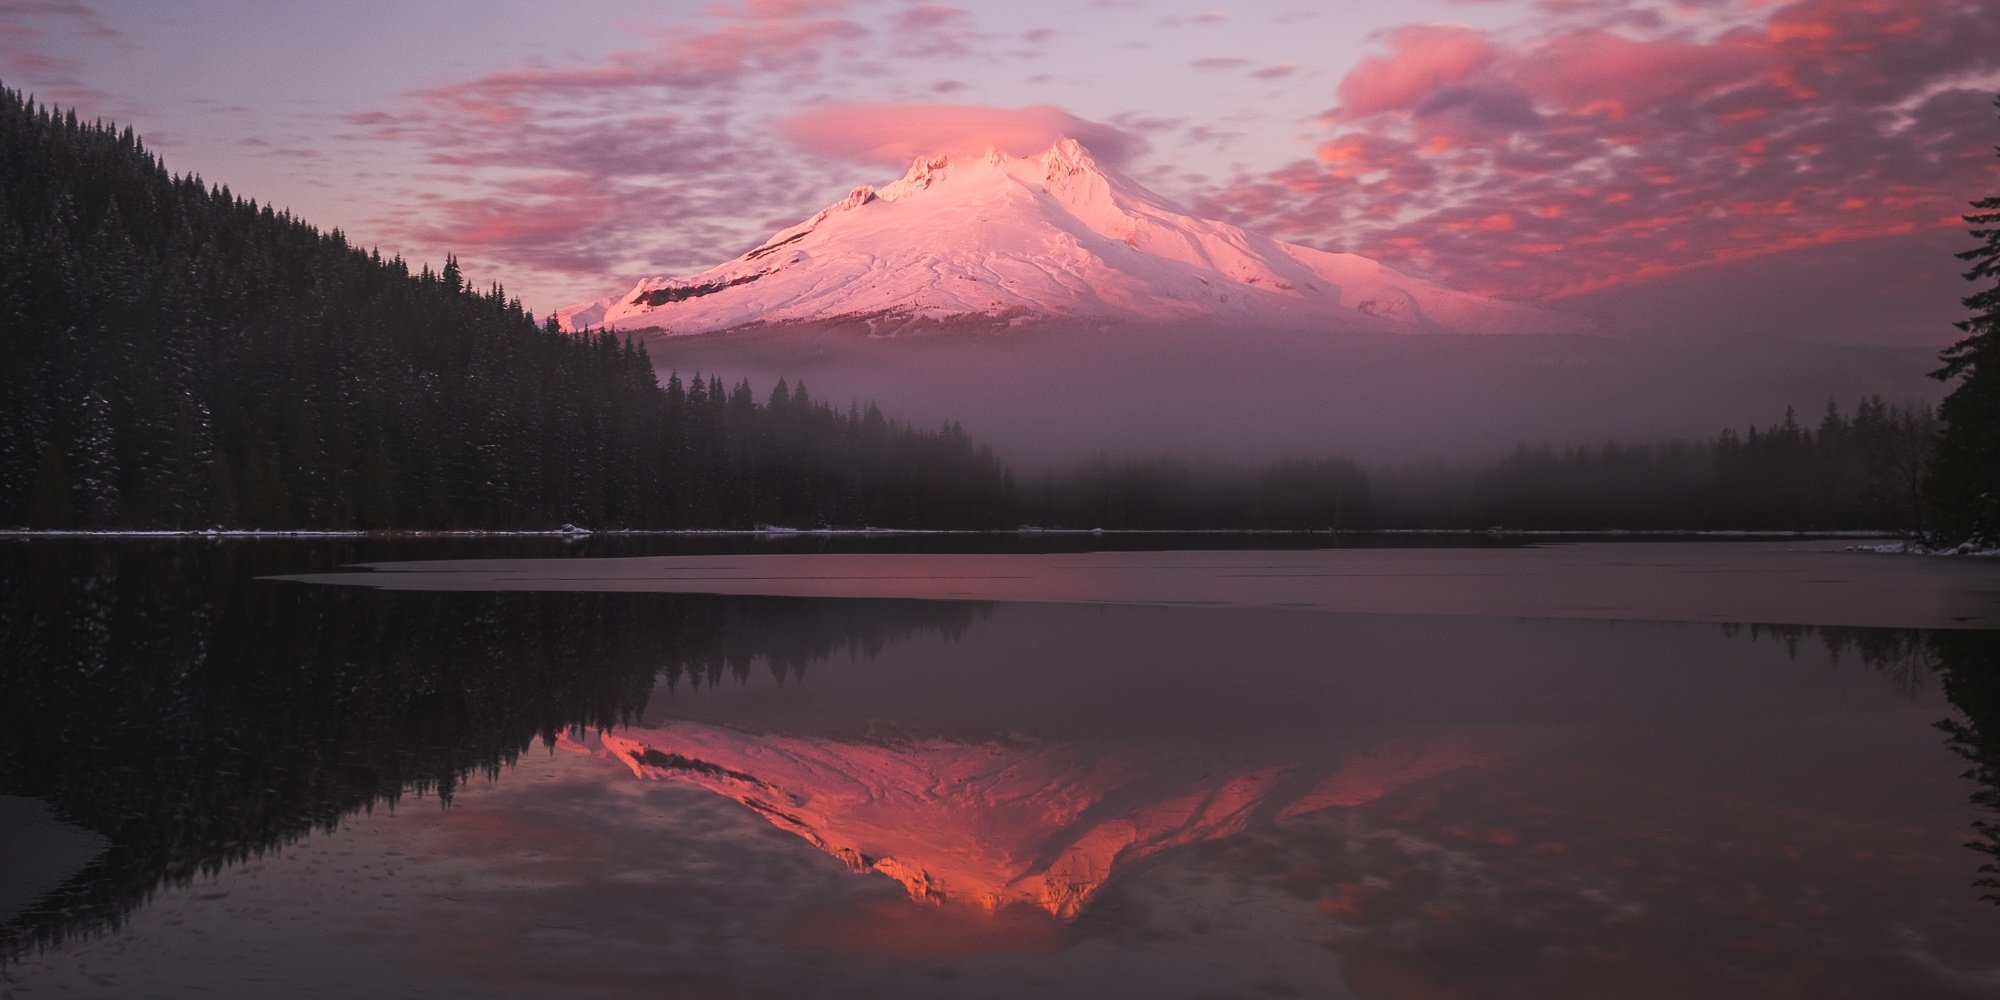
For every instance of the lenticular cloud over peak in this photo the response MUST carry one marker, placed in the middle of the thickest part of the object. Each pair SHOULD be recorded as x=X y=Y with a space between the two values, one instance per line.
x=895 y=134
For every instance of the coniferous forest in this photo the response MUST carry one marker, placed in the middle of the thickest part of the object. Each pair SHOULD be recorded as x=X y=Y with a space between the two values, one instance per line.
x=1858 y=470
x=180 y=357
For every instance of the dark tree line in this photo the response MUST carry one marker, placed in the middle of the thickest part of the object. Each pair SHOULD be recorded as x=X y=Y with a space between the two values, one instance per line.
x=1847 y=471
x=1862 y=470
x=180 y=357
x=726 y=459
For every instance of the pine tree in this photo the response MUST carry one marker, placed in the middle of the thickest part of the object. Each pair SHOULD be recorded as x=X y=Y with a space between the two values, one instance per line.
x=49 y=505
x=93 y=464
x=1964 y=479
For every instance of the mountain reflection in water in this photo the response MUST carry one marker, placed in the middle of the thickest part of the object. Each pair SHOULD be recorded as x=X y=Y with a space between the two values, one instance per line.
x=996 y=824
x=1019 y=819
x=1435 y=794
x=195 y=716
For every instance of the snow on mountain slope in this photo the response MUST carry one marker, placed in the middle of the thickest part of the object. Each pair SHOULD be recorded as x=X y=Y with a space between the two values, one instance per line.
x=1015 y=239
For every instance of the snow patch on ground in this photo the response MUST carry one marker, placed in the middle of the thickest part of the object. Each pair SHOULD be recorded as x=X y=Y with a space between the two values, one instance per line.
x=1910 y=548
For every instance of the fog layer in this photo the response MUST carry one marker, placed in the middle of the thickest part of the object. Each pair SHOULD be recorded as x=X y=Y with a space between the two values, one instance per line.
x=1056 y=392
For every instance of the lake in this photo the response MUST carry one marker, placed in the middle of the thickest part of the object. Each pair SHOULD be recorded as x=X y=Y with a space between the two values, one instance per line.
x=997 y=766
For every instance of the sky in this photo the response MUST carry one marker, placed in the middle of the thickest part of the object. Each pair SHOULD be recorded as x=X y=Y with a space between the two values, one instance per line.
x=1547 y=150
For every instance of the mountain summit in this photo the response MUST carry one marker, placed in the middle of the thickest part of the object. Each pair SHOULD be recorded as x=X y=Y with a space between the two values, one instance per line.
x=1003 y=240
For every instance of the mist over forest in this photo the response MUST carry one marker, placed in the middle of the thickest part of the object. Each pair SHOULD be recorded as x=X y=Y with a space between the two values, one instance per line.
x=1052 y=394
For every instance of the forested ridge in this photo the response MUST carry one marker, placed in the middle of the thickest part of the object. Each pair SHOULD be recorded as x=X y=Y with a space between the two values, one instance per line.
x=181 y=357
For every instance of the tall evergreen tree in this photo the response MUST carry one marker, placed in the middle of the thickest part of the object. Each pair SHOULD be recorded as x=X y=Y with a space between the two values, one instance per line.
x=1965 y=469
x=93 y=465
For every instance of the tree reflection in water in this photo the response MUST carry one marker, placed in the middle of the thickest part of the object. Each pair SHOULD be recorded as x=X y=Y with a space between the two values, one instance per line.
x=1969 y=663
x=196 y=716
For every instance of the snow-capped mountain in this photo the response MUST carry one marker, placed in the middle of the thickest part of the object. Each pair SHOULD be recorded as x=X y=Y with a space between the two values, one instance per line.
x=1002 y=239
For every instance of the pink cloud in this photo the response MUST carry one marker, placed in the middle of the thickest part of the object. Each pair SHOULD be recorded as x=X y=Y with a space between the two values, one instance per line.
x=755 y=44
x=638 y=162
x=1598 y=70
x=1424 y=58
x=770 y=37
x=1611 y=147
x=776 y=9
x=496 y=224
x=26 y=27
x=928 y=30
x=786 y=37
x=929 y=16
x=895 y=134
x=75 y=17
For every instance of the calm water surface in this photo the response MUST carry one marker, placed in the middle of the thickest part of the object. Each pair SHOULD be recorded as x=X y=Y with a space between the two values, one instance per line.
x=221 y=784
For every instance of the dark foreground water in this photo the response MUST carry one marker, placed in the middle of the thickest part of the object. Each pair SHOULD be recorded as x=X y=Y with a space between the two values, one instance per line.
x=219 y=784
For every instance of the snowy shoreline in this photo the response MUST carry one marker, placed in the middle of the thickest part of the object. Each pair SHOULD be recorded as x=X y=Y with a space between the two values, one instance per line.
x=1908 y=548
